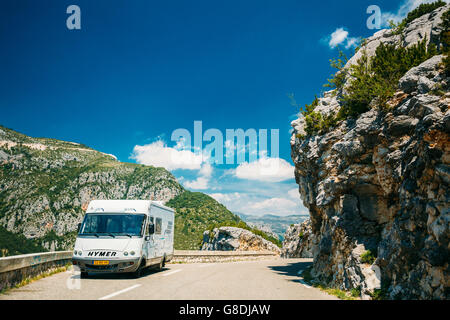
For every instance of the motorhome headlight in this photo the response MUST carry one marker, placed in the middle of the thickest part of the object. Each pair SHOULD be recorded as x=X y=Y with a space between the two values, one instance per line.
x=125 y=253
x=79 y=252
x=75 y=252
x=132 y=253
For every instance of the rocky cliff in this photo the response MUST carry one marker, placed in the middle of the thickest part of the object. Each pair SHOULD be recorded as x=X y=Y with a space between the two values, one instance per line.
x=298 y=241
x=235 y=239
x=377 y=186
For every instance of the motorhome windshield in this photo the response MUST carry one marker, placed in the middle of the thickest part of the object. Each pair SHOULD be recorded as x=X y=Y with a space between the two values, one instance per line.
x=112 y=224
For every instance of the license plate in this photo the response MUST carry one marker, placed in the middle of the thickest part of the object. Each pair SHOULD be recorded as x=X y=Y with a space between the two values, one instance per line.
x=101 y=263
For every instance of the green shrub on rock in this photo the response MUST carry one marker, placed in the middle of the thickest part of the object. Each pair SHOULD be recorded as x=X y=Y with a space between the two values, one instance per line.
x=370 y=78
x=372 y=81
x=368 y=257
x=424 y=8
x=356 y=292
x=377 y=77
x=337 y=80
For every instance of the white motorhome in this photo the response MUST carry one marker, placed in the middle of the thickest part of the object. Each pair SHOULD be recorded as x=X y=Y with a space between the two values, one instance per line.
x=124 y=236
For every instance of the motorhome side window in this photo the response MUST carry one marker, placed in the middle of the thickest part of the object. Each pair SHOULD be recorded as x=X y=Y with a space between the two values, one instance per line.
x=150 y=222
x=169 y=228
x=158 y=226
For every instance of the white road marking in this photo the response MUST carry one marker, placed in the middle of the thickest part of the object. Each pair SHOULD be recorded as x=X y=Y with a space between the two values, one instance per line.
x=172 y=272
x=304 y=284
x=302 y=281
x=119 y=292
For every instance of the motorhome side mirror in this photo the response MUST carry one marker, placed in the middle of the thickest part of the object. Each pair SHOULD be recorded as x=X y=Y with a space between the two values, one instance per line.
x=151 y=229
x=79 y=227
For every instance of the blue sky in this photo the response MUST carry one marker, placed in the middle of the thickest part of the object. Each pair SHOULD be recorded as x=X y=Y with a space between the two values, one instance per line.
x=137 y=70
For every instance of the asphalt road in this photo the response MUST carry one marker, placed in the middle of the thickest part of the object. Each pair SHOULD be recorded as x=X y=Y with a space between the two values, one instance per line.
x=255 y=280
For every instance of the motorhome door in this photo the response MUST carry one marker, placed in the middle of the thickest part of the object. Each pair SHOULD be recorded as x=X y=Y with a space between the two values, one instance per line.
x=149 y=239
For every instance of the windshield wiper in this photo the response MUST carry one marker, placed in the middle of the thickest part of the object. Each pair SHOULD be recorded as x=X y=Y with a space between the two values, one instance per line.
x=107 y=234
x=126 y=234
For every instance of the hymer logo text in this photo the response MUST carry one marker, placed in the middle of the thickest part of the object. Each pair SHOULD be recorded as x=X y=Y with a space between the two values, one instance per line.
x=101 y=254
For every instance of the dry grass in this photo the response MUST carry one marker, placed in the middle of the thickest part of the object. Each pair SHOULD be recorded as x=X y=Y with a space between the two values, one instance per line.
x=341 y=294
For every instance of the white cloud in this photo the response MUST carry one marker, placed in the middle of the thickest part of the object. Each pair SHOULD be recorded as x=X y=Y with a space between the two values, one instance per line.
x=265 y=169
x=275 y=204
x=351 y=42
x=225 y=197
x=337 y=37
x=294 y=194
x=340 y=36
x=206 y=170
x=202 y=182
x=250 y=203
x=158 y=154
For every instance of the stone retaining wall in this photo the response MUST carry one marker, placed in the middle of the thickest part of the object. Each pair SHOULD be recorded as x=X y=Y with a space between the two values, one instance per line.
x=14 y=269
x=193 y=256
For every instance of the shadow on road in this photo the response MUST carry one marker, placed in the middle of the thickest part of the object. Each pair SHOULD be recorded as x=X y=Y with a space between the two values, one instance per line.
x=291 y=269
x=105 y=276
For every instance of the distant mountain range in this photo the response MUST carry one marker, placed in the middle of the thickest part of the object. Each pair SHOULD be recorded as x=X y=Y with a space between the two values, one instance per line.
x=270 y=223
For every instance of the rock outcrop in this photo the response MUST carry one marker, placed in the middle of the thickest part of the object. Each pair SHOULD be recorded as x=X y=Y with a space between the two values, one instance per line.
x=235 y=239
x=298 y=241
x=426 y=27
x=377 y=187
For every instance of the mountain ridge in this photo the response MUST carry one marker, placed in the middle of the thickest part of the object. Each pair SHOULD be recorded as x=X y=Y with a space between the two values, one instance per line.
x=46 y=185
x=269 y=223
